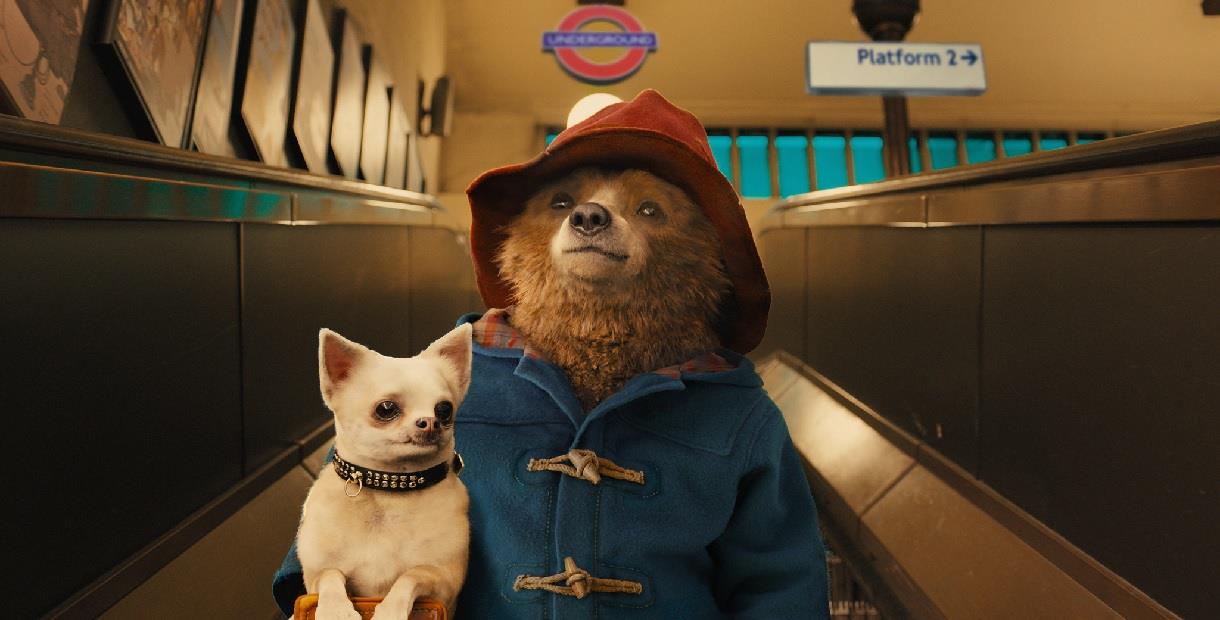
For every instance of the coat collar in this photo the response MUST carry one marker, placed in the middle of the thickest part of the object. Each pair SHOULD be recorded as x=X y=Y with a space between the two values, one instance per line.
x=494 y=336
x=494 y=330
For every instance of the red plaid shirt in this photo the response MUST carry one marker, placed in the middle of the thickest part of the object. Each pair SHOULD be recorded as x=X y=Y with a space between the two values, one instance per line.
x=493 y=331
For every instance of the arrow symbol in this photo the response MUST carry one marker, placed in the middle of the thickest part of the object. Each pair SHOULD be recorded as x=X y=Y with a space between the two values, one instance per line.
x=970 y=57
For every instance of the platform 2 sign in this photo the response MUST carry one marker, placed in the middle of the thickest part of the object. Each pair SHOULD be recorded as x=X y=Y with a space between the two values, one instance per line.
x=868 y=68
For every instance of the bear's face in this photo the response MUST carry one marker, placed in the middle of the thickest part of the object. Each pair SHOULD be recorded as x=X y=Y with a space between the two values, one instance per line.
x=614 y=273
x=605 y=229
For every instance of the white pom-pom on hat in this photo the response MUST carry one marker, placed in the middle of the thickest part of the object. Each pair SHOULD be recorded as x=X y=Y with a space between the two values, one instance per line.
x=590 y=105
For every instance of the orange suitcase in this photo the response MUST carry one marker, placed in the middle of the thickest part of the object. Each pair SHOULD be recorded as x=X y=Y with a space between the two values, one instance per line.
x=425 y=609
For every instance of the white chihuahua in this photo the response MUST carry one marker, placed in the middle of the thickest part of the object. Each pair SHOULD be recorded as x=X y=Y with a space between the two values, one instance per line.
x=391 y=519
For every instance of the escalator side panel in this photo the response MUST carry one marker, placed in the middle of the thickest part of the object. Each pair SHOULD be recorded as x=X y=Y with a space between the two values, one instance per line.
x=297 y=279
x=964 y=561
x=226 y=574
x=892 y=317
x=1100 y=393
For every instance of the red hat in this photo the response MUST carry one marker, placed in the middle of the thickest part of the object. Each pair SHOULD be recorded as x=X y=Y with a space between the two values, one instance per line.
x=647 y=133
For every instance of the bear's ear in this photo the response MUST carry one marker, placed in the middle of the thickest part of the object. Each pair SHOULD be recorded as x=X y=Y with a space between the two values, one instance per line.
x=337 y=359
x=454 y=350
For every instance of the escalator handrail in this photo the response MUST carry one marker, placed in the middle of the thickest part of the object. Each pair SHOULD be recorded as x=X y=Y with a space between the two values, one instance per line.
x=1177 y=143
x=90 y=147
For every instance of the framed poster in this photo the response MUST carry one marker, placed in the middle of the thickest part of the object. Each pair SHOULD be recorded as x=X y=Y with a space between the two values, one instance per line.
x=311 y=116
x=39 y=40
x=268 y=86
x=159 y=44
x=214 y=102
x=376 y=122
x=397 y=143
x=347 y=127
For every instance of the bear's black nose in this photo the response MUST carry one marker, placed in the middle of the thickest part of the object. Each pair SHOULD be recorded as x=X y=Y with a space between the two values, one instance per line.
x=589 y=218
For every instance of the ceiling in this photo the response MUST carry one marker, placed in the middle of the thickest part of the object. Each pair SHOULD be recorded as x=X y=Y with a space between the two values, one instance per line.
x=1104 y=64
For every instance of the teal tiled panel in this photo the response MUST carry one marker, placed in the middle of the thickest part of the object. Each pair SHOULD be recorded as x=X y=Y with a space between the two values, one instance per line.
x=722 y=150
x=943 y=149
x=793 y=157
x=755 y=166
x=867 y=159
x=980 y=147
x=830 y=160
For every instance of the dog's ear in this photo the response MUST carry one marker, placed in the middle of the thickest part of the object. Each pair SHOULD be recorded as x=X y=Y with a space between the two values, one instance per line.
x=455 y=350
x=337 y=357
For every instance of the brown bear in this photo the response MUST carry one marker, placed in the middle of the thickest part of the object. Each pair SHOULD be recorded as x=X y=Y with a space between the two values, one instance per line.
x=615 y=273
x=624 y=461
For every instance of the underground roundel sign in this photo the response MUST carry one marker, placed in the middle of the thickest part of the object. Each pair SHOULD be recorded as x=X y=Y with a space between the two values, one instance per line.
x=567 y=41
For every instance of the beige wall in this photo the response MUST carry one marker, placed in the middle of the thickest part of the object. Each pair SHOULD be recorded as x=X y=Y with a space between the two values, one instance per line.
x=1084 y=62
x=1051 y=64
x=756 y=210
x=485 y=140
x=457 y=211
x=409 y=37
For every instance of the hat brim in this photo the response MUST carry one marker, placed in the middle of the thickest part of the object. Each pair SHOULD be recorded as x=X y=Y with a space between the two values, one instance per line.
x=499 y=195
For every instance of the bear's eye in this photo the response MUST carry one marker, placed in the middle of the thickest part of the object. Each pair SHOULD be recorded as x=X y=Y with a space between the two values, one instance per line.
x=386 y=410
x=444 y=411
x=562 y=200
x=648 y=208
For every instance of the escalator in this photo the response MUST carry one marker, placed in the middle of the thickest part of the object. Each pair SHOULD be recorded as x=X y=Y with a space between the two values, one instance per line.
x=1001 y=378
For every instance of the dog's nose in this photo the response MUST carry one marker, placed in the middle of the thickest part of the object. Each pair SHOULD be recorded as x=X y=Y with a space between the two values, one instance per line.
x=427 y=424
x=589 y=218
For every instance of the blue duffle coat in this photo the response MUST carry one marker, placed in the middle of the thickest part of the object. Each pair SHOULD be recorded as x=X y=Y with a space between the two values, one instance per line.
x=723 y=525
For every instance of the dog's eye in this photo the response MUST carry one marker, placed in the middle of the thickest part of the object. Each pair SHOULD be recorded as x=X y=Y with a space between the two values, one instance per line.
x=387 y=410
x=648 y=208
x=444 y=411
x=562 y=200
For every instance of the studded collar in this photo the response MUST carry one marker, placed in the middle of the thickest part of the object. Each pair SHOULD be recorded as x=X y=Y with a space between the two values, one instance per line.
x=358 y=477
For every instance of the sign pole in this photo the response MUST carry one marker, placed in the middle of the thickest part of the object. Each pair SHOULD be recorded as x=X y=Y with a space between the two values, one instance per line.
x=893 y=70
x=890 y=21
x=897 y=132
